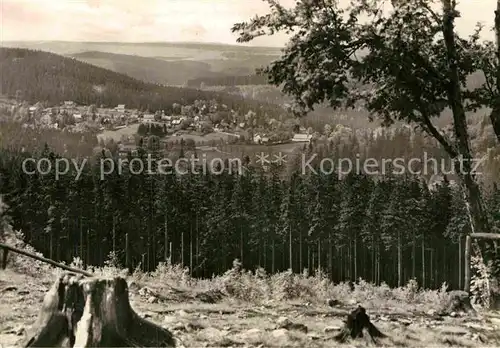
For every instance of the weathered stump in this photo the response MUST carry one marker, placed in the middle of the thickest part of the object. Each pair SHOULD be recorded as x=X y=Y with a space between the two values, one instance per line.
x=93 y=312
x=459 y=302
x=356 y=322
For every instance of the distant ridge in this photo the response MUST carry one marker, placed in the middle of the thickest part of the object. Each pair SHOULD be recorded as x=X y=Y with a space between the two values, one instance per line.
x=152 y=43
x=44 y=76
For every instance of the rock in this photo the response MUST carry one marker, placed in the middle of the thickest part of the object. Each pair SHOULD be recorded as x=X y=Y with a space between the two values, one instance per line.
x=454 y=331
x=281 y=333
x=313 y=336
x=152 y=299
x=453 y=314
x=213 y=334
x=9 y=288
x=23 y=292
x=18 y=331
x=332 y=302
x=203 y=316
x=251 y=335
x=432 y=312
x=283 y=322
x=331 y=329
x=210 y=296
x=183 y=313
x=253 y=332
x=179 y=327
x=192 y=326
x=405 y=322
x=169 y=319
x=479 y=337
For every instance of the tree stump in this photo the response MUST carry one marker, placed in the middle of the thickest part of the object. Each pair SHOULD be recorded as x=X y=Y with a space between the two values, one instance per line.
x=356 y=322
x=459 y=302
x=93 y=312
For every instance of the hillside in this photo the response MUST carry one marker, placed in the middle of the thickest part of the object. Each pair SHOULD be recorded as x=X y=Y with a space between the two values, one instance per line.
x=165 y=63
x=43 y=76
x=148 y=69
x=179 y=50
x=228 y=81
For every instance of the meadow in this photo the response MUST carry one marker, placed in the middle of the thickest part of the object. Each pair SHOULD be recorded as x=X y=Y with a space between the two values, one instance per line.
x=254 y=309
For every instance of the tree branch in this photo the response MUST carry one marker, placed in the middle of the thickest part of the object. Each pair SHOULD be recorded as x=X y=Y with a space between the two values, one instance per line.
x=43 y=259
x=432 y=130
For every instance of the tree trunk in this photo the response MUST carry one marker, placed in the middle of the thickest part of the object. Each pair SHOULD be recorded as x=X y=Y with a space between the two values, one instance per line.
x=273 y=258
x=400 y=260
x=319 y=256
x=301 y=262
x=290 y=249
x=93 y=312
x=182 y=250
x=495 y=112
x=355 y=257
x=191 y=251
x=477 y=212
x=460 y=262
x=423 y=262
x=114 y=235
x=414 y=256
x=241 y=245
x=165 y=255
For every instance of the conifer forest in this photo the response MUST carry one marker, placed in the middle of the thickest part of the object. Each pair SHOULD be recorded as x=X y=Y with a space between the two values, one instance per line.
x=389 y=228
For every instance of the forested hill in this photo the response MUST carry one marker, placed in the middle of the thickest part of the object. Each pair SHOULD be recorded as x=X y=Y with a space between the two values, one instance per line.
x=44 y=76
x=256 y=79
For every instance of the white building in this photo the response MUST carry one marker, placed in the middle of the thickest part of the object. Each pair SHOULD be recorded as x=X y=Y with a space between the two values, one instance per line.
x=302 y=138
x=148 y=118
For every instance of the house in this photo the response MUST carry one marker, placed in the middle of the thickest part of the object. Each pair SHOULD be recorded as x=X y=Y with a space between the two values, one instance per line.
x=166 y=118
x=257 y=138
x=120 y=108
x=302 y=138
x=264 y=140
x=46 y=119
x=148 y=118
x=176 y=122
x=124 y=150
x=69 y=104
x=436 y=180
x=77 y=117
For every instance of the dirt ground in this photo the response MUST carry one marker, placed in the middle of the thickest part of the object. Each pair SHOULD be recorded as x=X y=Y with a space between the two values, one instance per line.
x=231 y=323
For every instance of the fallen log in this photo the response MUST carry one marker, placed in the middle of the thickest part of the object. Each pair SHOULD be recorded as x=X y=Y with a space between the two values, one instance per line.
x=357 y=321
x=6 y=248
x=93 y=312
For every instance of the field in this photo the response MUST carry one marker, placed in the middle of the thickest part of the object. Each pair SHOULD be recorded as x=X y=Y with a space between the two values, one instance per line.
x=258 y=310
x=116 y=135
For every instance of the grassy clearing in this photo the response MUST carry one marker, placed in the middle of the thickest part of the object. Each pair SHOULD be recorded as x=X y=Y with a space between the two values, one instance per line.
x=242 y=308
x=116 y=135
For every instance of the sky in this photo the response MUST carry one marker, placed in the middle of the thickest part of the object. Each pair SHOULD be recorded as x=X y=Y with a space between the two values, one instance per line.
x=160 y=20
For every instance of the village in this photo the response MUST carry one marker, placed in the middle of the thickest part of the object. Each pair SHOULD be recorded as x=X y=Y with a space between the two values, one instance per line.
x=206 y=123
